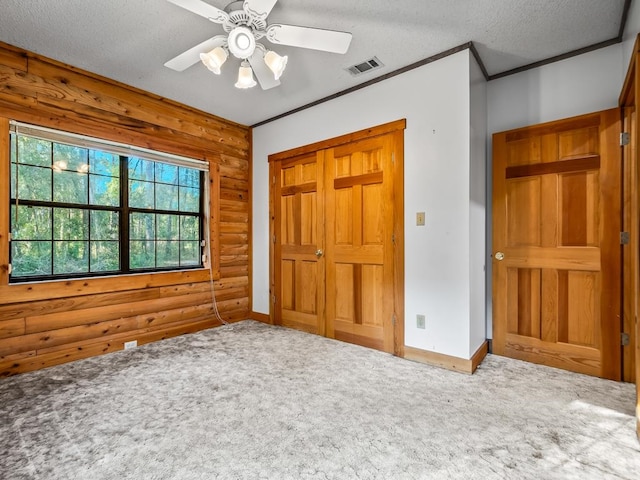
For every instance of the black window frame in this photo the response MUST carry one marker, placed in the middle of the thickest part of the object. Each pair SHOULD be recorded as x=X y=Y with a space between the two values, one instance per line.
x=123 y=210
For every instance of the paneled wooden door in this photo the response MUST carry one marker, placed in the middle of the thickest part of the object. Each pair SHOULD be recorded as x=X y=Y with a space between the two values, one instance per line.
x=556 y=244
x=359 y=242
x=337 y=262
x=628 y=102
x=299 y=231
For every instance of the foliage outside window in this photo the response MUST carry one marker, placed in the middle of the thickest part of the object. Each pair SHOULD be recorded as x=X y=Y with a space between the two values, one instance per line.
x=78 y=212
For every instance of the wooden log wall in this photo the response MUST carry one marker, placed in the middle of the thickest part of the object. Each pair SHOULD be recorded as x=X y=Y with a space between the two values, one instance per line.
x=48 y=323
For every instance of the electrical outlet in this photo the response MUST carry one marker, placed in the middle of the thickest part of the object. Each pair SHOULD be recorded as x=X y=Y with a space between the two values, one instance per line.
x=131 y=344
x=420 y=321
x=420 y=217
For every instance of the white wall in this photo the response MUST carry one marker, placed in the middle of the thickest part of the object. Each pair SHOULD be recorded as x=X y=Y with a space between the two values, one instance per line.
x=435 y=100
x=577 y=85
x=477 y=203
x=630 y=32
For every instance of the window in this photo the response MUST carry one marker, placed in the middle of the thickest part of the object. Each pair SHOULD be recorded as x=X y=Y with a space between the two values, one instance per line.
x=81 y=207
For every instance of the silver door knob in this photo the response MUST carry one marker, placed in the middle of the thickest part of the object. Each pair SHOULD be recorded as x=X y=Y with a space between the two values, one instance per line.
x=499 y=256
x=319 y=253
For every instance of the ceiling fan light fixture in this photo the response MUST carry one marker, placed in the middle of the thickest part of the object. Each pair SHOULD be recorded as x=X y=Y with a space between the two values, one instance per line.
x=276 y=63
x=214 y=59
x=242 y=43
x=245 y=76
x=245 y=25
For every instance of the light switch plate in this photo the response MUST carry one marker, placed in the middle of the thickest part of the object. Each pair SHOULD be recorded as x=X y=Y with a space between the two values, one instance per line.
x=420 y=219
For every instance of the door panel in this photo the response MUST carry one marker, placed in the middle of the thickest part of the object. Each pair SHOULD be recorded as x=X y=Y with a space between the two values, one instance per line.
x=299 y=272
x=359 y=227
x=556 y=221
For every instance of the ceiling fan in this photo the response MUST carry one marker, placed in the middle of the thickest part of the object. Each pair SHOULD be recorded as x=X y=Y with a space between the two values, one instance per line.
x=245 y=22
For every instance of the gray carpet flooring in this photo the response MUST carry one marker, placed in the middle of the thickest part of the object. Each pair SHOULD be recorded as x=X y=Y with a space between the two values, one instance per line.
x=251 y=401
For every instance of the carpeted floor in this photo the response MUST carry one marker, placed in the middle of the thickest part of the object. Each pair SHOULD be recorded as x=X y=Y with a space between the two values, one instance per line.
x=250 y=401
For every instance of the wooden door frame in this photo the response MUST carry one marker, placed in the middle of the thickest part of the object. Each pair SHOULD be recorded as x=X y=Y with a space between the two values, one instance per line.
x=397 y=128
x=631 y=200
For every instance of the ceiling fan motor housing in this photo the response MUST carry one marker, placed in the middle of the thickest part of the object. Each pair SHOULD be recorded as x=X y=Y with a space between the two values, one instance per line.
x=238 y=17
x=242 y=42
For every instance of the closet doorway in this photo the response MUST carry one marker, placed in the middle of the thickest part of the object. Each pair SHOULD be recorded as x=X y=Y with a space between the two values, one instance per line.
x=337 y=238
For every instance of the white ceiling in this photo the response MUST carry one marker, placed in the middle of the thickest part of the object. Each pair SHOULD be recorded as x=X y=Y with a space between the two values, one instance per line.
x=130 y=40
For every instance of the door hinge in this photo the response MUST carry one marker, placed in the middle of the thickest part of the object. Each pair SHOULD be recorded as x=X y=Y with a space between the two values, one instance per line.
x=624 y=339
x=625 y=237
x=9 y=269
x=624 y=139
x=273 y=299
x=273 y=180
x=273 y=239
x=393 y=319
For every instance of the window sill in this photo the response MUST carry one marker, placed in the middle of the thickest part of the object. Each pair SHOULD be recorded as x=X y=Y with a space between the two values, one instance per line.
x=51 y=289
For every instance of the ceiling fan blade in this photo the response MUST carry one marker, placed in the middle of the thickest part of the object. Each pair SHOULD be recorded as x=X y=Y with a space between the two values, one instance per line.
x=258 y=8
x=307 y=37
x=261 y=71
x=192 y=56
x=203 y=9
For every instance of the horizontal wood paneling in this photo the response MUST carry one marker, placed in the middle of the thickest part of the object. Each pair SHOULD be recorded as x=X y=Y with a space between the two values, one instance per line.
x=12 y=328
x=48 y=358
x=44 y=324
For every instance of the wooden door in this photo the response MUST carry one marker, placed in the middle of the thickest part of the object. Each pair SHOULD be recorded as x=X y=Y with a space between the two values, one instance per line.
x=631 y=251
x=359 y=242
x=556 y=244
x=337 y=223
x=631 y=245
x=299 y=229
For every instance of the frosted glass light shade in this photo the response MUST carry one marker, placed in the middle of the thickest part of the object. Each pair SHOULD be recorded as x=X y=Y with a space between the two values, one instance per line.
x=276 y=63
x=245 y=76
x=214 y=59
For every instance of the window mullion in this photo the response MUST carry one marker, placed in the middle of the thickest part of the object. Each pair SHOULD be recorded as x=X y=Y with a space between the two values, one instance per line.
x=53 y=213
x=203 y=222
x=88 y=239
x=124 y=215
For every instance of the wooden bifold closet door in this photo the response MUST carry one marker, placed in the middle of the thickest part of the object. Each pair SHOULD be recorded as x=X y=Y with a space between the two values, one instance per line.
x=334 y=239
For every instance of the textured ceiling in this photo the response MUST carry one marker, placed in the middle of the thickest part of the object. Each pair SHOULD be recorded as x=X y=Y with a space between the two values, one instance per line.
x=130 y=40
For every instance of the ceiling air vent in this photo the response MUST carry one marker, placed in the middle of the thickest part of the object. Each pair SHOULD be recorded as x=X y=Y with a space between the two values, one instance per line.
x=366 y=66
